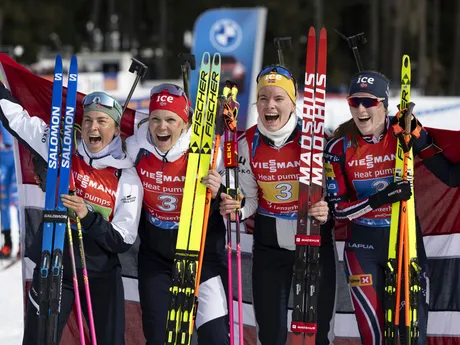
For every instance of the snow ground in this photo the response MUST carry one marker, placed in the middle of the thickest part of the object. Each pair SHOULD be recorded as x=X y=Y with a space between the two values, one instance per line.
x=11 y=296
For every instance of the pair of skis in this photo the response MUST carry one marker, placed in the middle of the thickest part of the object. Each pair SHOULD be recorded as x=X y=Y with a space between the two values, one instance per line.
x=308 y=237
x=183 y=290
x=55 y=217
x=402 y=250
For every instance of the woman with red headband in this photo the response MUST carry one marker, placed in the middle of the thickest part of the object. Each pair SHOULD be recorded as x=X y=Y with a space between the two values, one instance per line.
x=160 y=149
x=269 y=179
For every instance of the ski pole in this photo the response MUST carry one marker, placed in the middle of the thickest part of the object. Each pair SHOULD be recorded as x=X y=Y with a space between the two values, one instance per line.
x=81 y=247
x=140 y=69
x=238 y=230
x=282 y=43
x=81 y=329
x=89 y=305
x=187 y=62
x=226 y=93
x=231 y=163
x=353 y=42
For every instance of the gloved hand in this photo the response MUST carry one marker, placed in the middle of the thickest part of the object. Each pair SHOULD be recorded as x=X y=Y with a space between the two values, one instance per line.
x=401 y=118
x=394 y=192
x=421 y=139
x=40 y=167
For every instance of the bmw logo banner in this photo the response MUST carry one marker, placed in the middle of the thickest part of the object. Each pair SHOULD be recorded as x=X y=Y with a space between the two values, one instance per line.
x=238 y=35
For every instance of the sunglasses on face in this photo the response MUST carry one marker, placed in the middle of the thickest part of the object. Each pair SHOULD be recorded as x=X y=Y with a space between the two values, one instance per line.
x=102 y=99
x=367 y=102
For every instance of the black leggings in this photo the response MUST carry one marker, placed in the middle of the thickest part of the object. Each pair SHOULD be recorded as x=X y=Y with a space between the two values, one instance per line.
x=365 y=257
x=108 y=302
x=212 y=315
x=271 y=285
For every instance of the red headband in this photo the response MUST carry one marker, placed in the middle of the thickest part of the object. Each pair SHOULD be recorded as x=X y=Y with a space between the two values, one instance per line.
x=167 y=101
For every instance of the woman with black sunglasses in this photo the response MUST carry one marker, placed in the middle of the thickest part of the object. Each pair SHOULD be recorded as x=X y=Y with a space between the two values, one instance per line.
x=360 y=161
x=269 y=179
x=160 y=149
x=107 y=200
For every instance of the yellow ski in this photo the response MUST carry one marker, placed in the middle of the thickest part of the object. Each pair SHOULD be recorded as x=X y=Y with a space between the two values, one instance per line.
x=403 y=224
x=178 y=329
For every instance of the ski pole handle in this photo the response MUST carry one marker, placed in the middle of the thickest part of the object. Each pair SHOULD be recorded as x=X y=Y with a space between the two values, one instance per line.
x=140 y=69
x=353 y=42
x=187 y=63
x=282 y=43
x=359 y=63
x=408 y=118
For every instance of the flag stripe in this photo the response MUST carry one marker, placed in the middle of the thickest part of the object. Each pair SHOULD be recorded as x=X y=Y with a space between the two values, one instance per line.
x=437 y=206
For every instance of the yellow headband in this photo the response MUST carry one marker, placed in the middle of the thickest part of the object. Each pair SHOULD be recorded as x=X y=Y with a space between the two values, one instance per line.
x=275 y=79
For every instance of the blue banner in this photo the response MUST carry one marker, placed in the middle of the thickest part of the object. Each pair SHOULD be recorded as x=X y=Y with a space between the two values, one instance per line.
x=238 y=35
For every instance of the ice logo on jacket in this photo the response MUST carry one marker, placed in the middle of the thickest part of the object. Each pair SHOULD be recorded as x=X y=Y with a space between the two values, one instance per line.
x=225 y=35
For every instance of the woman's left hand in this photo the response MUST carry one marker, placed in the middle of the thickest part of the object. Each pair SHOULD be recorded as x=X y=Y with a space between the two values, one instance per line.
x=212 y=181
x=320 y=211
x=76 y=204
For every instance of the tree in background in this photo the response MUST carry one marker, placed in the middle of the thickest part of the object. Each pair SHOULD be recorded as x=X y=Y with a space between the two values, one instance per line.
x=427 y=30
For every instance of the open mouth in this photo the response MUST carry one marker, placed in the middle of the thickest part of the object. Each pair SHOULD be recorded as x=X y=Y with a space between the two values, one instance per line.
x=271 y=117
x=364 y=118
x=94 y=139
x=163 y=138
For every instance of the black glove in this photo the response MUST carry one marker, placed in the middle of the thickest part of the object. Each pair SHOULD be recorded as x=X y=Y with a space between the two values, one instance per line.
x=401 y=116
x=394 y=192
x=40 y=167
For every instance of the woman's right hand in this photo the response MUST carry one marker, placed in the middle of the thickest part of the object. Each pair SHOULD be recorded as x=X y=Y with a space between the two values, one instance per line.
x=228 y=205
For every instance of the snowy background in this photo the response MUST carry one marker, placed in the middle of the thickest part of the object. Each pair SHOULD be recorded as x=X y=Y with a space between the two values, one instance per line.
x=438 y=112
x=11 y=297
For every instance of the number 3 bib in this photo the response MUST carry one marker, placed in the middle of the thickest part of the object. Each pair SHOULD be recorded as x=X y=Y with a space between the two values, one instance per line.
x=163 y=188
x=277 y=174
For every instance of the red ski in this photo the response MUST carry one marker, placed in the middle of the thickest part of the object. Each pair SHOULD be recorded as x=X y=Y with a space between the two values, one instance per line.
x=308 y=237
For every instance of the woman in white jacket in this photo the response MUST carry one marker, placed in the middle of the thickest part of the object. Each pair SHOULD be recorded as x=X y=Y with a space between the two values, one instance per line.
x=107 y=201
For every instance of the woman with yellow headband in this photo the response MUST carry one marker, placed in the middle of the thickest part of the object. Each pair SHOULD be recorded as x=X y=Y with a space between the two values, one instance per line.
x=269 y=179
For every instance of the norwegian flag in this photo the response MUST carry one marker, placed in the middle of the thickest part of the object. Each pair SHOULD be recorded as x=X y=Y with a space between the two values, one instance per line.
x=438 y=207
